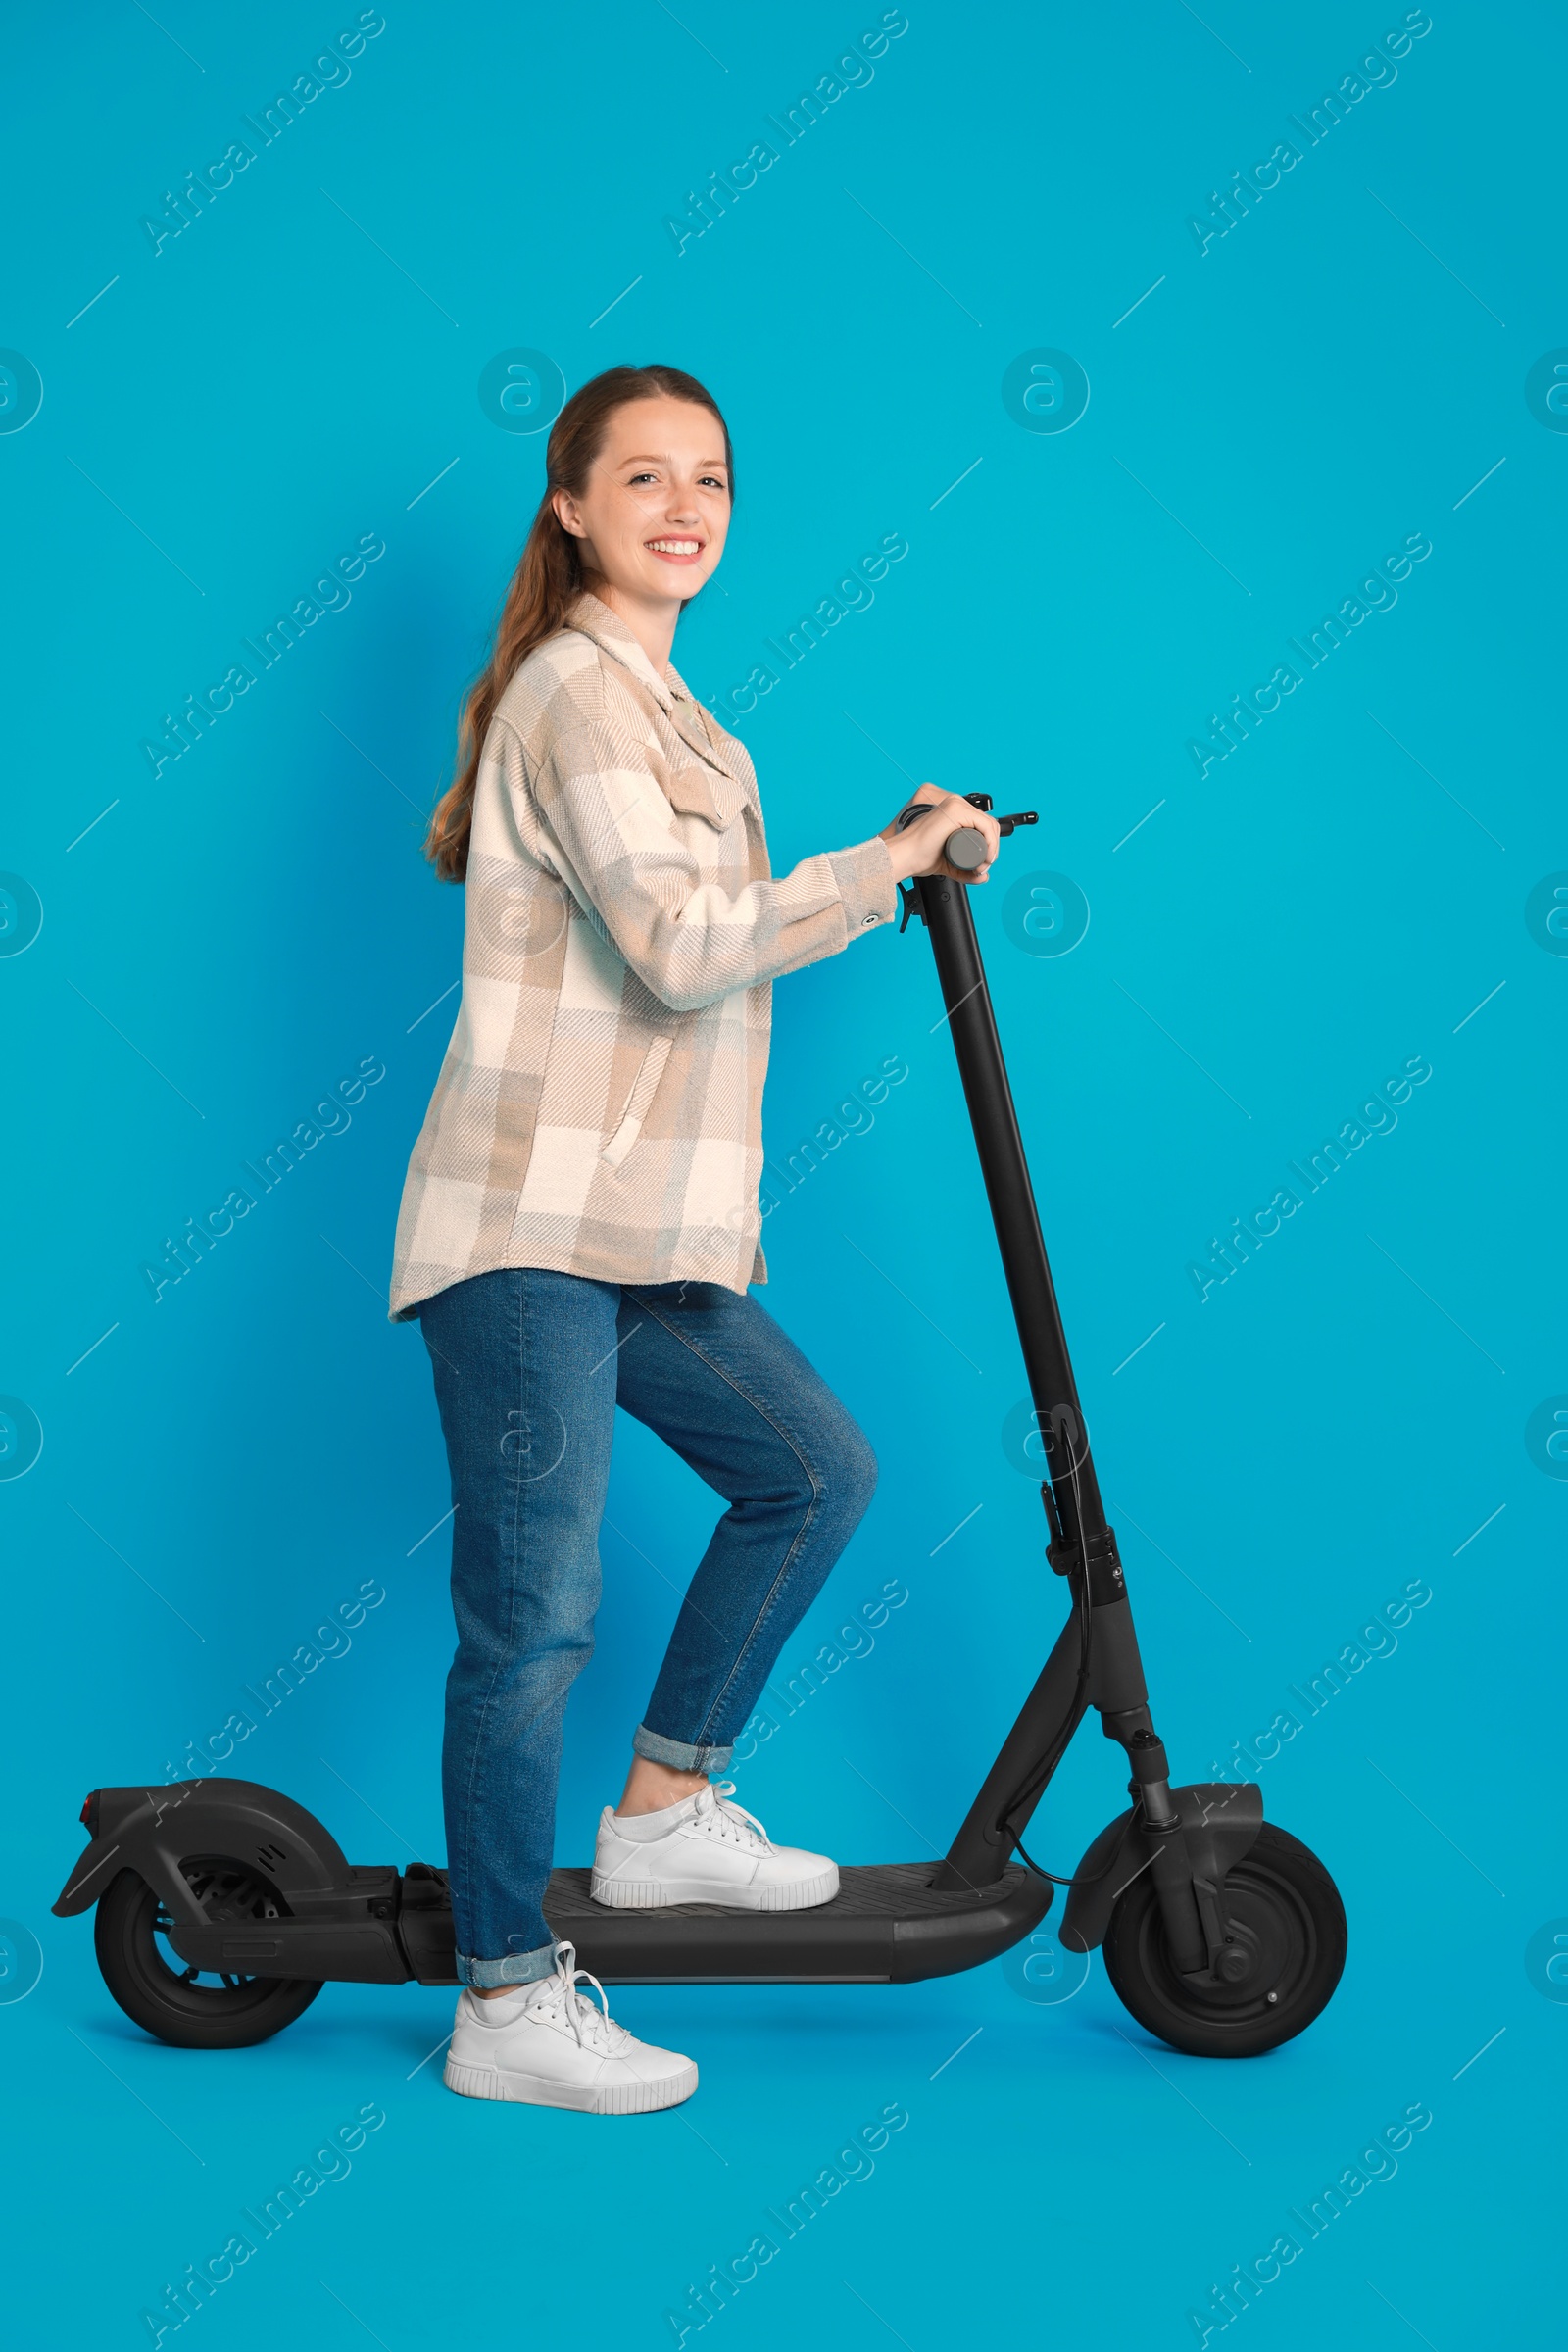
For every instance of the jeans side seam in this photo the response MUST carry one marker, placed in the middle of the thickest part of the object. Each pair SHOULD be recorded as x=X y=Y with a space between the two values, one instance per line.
x=515 y=1513
x=788 y=1562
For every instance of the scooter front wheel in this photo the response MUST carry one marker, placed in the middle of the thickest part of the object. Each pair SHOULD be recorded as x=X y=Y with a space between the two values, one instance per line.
x=195 y=2009
x=1284 y=1948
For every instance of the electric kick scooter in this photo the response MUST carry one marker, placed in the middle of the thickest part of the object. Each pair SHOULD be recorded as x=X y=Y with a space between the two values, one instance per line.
x=224 y=1906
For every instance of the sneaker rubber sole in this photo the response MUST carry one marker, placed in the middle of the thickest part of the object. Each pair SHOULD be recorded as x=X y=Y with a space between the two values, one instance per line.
x=536 y=2090
x=653 y=1895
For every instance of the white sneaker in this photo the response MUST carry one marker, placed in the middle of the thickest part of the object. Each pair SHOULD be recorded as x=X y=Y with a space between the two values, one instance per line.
x=548 y=2046
x=705 y=1850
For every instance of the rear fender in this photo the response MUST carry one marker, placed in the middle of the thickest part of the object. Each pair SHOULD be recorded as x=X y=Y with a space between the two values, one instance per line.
x=1220 y=1820
x=151 y=1830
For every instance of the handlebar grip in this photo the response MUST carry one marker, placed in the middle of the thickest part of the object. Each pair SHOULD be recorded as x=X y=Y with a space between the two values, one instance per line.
x=964 y=851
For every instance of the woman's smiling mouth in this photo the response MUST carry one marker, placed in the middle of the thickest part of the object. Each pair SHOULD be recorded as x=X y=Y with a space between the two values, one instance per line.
x=675 y=550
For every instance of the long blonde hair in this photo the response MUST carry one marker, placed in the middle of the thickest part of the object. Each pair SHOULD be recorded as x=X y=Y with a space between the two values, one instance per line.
x=547 y=580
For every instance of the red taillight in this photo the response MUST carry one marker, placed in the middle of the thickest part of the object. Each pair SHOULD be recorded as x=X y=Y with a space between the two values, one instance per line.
x=89 y=1816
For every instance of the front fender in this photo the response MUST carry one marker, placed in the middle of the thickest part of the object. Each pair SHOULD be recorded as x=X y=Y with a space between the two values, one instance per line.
x=151 y=1830
x=1220 y=1820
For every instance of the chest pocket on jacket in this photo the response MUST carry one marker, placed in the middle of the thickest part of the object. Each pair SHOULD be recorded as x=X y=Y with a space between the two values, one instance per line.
x=644 y=1087
x=708 y=793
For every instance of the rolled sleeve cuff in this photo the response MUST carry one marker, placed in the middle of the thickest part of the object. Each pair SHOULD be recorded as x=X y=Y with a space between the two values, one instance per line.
x=865 y=885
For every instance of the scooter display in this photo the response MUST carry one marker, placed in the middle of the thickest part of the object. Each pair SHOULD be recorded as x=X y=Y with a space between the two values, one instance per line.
x=223 y=1907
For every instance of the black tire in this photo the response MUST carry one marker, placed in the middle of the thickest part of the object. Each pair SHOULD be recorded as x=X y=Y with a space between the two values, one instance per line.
x=1282 y=1907
x=195 y=2009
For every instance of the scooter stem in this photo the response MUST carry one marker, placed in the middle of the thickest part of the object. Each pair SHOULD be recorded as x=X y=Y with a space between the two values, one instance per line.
x=947 y=911
x=1083 y=1545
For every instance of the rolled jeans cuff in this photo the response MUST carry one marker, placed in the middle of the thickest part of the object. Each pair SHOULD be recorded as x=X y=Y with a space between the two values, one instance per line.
x=517 y=1968
x=680 y=1755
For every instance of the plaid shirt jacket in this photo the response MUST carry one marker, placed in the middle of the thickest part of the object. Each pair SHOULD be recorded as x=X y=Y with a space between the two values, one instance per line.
x=599 y=1109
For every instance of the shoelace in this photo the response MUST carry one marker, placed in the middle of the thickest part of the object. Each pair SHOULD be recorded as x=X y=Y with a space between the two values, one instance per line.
x=585 y=2021
x=712 y=1810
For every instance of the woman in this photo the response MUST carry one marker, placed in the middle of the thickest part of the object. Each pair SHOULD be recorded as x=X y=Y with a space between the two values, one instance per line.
x=580 y=1223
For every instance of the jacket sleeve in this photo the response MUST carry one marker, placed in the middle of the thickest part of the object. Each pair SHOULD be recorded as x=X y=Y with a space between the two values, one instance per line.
x=605 y=822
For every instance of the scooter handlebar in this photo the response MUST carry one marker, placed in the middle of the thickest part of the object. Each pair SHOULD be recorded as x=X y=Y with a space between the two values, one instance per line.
x=964 y=850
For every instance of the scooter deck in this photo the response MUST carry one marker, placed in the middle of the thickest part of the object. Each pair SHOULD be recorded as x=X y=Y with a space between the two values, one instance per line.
x=886 y=1924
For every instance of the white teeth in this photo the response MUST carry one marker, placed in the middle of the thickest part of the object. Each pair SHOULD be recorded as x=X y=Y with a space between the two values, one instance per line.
x=673 y=547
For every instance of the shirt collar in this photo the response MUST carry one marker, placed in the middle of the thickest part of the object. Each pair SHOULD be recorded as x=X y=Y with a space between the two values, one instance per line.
x=593 y=618
x=611 y=634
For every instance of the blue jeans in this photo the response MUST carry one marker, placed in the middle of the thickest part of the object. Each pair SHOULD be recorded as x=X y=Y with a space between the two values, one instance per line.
x=530 y=1367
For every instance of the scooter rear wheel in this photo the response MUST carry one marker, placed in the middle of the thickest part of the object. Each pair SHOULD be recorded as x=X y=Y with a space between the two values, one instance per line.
x=1282 y=1914
x=195 y=2009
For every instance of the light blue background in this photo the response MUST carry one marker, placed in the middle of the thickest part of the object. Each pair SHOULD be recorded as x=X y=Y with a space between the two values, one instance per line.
x=228 y=940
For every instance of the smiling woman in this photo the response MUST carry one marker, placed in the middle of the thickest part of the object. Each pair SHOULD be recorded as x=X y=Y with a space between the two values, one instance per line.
x=580 y=1223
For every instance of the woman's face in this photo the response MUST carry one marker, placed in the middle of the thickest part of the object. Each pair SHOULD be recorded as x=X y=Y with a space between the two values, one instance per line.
x=654 y=514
